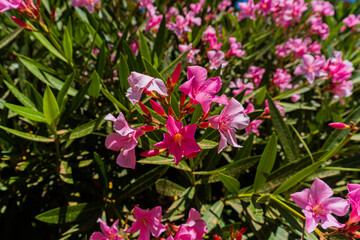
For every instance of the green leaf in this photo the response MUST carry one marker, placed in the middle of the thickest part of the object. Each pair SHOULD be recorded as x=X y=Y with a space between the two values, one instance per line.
x=20 y=96
x=144 y=182
x=207 y=144
x=196 y=114
x=160 y=160
x=48 y=45
x=100 y=64
x=69 y=214
x=101 y=165
x=266 y=163
x=167 y=72
x=124 y=73
x=28 y=136
x=254 y=115
x=245 y=151
x=285 y=137
x=212 y=216
x=131 y=60
x=144 y=48
x=168 y=188
x=112 y=99
x=67 y=45
x=230 y=183
x=85 y=129
x=10 y=37
x=94 y=88
x=65 y=88
x=51 y=109
x=35 y=95
x=151 y=70
x=180 y=205
x=66 y=172
x=26 y=112
x=160 y=40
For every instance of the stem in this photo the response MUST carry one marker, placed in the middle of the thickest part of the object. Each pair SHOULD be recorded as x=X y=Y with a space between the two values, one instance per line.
x=303 y=231
x=342 y=169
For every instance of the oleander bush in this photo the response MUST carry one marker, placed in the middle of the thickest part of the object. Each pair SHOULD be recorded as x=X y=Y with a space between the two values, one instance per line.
x=187 y=120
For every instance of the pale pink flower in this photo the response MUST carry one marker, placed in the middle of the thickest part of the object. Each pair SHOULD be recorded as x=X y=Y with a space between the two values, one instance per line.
x=352 y=20
x=254 y=125
x=319 y=27
x=282 y=79
x=298 y=7
x=264 y=6
x=10 y=4
x=197 y=7
x=191 y=18
x=199 y=89
x=190 y=57
x=224 y=4
x=139 y=82
x=235 y=48
x=317 y=205
x=323 y=7
x=145 y=3
x=180 y=140
x=180 y=26
x=339 y=70
x=354 y=197
x=154 y=22
x=89 y=4
x=134 y=46
x=123 y=140
x=108 y=233
x=231 y=117
x=240 y=86
x=315 y=48
x=256 y=74
x=209 y=35
x=343 y=89
x=311 y=68
x=216 y=59
x=173 y=11
x=247 y=10
x=147 y=222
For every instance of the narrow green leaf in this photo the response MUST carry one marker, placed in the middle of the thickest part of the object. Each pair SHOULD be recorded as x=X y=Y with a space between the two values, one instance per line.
x=67 y=45
x=48 y=45
x=20 y=96
x=230 y=183
x=303 y=142
x=100 y=64
x=180 y=205
x=168 y=188
x=285 y=137
x=196 y=114
x=28 y=136
x=144 y=48
x=160 y=40
x=69 y=214
x=131 y=60
x=151 y=70
x=266 y=163
x=10 y=37
x=124 y=73
x=26 y=112
x=66 y=172
x=212 y=216
x=254 y=115
x=245 y=151
x=85 y=129
x=65 y=88
x=94 y=88
x=35 y=96
x=160 y=160
x=167 y=72
x=50 y=108
x=207 y=144
x=101 y=165
x=112 y=99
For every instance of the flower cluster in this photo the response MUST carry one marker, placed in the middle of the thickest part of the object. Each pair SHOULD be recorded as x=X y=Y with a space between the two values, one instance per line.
x=148 y=223
x=318 y=206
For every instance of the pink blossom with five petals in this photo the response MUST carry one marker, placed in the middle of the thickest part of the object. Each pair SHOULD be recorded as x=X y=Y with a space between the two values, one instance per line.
x=311 y=68
x=108 y=233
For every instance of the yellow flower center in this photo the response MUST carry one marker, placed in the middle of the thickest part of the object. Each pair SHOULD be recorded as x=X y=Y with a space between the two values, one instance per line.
x=178 y=138
x=317 y=209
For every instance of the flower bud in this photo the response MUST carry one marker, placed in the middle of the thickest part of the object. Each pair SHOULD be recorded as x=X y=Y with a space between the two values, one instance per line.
x=19 y=22
x=204 y=125
x=144 y=109
x=152 y=153
x=339 y=125
x=148 y=128
x=158 y=108
x=182 y=99
x=176 y=74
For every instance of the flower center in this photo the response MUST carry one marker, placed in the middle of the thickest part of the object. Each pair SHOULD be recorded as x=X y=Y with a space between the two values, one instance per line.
x=318 y=209
x=178 y=138
x=310 y=69
x=143 y=221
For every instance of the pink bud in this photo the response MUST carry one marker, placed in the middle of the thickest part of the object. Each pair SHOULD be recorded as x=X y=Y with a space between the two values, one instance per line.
x=339 y=125
x=182 y=99
x=144 y=109
x=176 y=74
x=52 y=14
x=151 y=153
x=148 y=128
x=157 y=108
x=19 y=22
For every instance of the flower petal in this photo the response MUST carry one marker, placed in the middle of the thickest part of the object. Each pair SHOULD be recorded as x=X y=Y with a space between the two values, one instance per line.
x=320 y=191
x=127 y=159
x=301 y=198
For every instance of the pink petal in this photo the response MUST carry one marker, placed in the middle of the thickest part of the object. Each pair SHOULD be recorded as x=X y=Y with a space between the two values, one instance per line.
x=205 y=101
x=222 y=143
x=199 y=73
x=157 y=85
x=98 y=236
x=157 y=229
x=139 y=81
x=337 y=205
x=115 y=141
x=134 y=96
x=127 y=159
x=308 y=60
x=330 y=221
x=311 y=222
x=211 y=86
x=231 y=137
x=221 y=99
x=144 y=234
x=353 y=186
x=194 y=214
x=300 y=70
x=140 y=213
x=320 y=191
x=301 y=198
x=173 y=126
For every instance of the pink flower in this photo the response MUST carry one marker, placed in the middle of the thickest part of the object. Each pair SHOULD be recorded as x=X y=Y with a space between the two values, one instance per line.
x=154 y=22
x=354 y=197
x=282 y=79
x=139 y=82
x=180 y=26
x=339 y=125
x=264 y=6
x=224 y=4
x=352 y=20
x=318 y=206
x=209 y=35
x=10 y=4
x=256 y=74
x=231 y=117
x=147 y=222
x=193 y=229
x=134 y=46
x=216 y=59
x=343 y=89
x=311 y=68
x=108 y=233
x=180 y=140
x=190 y=57
x=191 y=19
x=90 y=4
x=247 y=10
x=170 y=13
x=298 y=7
x=199 y=89
x=295 y=97
x=339 y=70
x=254 y=125
x=241 y=86
x=235 y=48
x=319 y=27
x=197 y=7
x=324 y=8
x=124 y=139
x=146 y=3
